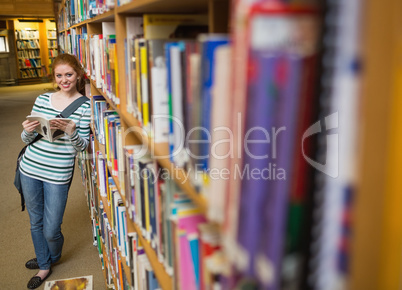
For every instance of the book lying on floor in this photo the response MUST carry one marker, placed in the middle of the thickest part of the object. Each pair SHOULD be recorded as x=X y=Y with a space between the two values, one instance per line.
x=45 y=128
x=77 y=283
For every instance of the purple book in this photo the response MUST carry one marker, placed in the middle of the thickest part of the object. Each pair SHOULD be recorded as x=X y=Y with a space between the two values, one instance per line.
x=275 y=203
x=273 y=91
x=261 y=110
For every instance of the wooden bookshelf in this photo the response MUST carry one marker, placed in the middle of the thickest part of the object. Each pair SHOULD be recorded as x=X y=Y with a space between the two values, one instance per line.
x=160 y=151
x=377 y=228
x=377 y=242
x=29 y=57
x=123 y=259
x=162 y=6
x=118 y=16
x=164 y=279
x=39 y=54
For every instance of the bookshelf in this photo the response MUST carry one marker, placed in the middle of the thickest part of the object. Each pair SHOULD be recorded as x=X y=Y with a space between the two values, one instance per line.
x=36 y=42
x=28 y=53
x=71 y=40
x=369 y=253
x=52 y=45
x=377 y=243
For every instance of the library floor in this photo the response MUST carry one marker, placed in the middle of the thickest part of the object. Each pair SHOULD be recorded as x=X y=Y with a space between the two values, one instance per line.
x=80 y=257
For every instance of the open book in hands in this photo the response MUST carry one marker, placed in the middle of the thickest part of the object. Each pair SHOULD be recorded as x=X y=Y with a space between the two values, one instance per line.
x=44 y=128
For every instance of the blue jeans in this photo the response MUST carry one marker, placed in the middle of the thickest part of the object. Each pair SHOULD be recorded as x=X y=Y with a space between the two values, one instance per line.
x=45 y=203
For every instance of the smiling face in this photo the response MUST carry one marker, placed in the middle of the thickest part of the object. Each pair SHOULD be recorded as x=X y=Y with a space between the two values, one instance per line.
x=66 y=78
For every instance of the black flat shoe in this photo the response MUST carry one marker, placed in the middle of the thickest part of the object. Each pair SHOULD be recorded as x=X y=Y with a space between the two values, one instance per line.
x=36 y=281
x=32 y=264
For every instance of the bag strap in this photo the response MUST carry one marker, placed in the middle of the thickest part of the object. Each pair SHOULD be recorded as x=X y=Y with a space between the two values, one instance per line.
x=72 y=107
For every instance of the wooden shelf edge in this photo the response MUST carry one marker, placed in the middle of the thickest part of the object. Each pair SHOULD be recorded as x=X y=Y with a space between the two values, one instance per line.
x=123 y=259
x=115 y=179
x=133 y=5
x=106 y=260
x=163 y=6
x=104 y=17
x=62 y=5
x=165 y=281
x=114 y=107
x=159 y=269
x=177 y=173
x=103 y=254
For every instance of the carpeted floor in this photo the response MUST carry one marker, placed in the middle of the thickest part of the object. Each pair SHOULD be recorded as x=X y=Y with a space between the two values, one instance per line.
x=80 y=257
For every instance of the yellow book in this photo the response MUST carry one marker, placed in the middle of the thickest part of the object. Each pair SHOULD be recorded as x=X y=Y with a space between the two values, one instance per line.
x=144 y=83
x=188 y=212
x=138 y=78
x=110 y=201
x=106 y=128
x=116 y=76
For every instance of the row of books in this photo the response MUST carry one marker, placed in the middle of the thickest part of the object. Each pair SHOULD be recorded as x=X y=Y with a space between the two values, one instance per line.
x=52 y=44
x=28 y=53
x=26 y=34
x=169 y=84
x=51 y=34
x=31 y=73
x=24 y=44
x=103 y=70
x=76 y=11
x=105 y=236
x=53 y=53
x=30 y=62
x=74 y=41
x=263 y=91
x=94 y=51
x=168 y=220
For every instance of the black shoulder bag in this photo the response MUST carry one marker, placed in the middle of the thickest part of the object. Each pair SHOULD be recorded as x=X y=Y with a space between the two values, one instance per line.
x=65 y=114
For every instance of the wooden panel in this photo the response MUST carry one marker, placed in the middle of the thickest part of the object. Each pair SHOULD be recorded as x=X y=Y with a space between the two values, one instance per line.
x=7 y=7
x=20 y=8
x=43 y=45
x=370 y=212
x=391 y=248
x=218 y=11
x=164 y=6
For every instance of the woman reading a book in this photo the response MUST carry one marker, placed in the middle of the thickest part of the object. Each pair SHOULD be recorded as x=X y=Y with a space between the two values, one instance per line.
x=47 y=167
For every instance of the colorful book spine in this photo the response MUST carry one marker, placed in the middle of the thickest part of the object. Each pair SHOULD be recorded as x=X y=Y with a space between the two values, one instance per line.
x=208 y=45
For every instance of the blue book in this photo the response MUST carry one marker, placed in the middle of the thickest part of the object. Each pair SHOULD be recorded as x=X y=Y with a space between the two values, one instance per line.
x=195 y=255
x=92 y=8
x=208 y=44
x=152 y=281
x=72 y=13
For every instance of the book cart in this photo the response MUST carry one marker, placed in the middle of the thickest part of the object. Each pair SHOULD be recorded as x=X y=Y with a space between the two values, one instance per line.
x=364 y=259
